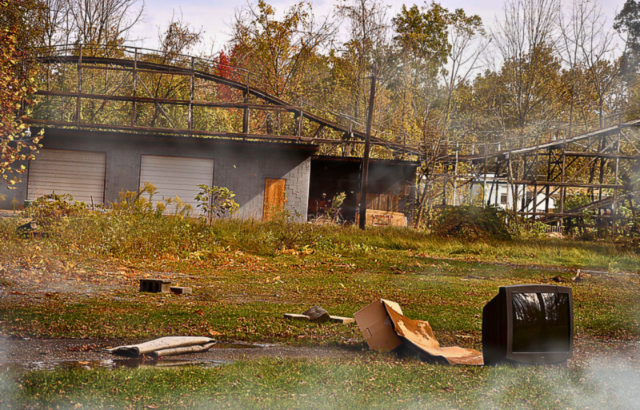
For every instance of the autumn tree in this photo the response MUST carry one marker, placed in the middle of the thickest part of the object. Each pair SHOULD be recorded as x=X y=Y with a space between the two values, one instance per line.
x=433 y=59
x=524 y=41
x=597 y=53
x=366 y=30
x=280 y=52
x=17 y=84
x=572 y=35
x=420 y=37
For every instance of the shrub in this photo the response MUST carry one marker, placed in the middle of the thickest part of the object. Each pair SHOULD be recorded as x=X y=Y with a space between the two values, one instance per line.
x=471 y=222
x=334 y=211
x=49 y=209
x=216 y=202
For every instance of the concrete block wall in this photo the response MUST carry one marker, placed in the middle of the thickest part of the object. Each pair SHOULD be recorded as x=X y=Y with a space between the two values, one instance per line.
x=241 y=167
x=246 y=177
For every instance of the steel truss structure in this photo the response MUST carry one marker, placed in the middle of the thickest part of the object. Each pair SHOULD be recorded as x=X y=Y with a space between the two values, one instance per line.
x=131 y=89
x=139 y=90
x=546 y=168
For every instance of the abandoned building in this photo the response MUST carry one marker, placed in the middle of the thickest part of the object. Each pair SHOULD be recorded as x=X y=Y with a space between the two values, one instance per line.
x=89 y=154
x=114 y=123
x=502 y=195
x=95 y=166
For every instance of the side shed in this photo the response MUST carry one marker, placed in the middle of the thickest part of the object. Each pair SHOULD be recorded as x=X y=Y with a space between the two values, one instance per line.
x=391 y=185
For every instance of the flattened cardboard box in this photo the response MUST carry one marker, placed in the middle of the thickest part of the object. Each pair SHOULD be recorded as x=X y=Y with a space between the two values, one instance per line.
x=376 y=326
x=420 y=338
x=385 y=328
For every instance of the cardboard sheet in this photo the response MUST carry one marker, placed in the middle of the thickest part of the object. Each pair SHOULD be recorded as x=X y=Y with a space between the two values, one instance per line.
x=420 y=338
x=376 y=326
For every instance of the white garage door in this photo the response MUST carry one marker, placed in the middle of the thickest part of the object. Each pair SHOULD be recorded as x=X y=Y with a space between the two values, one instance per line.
x=176 y=176
x=78 y=173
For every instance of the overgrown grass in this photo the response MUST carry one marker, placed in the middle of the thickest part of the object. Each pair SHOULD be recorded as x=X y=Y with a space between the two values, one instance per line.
x=141 y=237
x=377 y=382
x=243 y=284
x=246 y=274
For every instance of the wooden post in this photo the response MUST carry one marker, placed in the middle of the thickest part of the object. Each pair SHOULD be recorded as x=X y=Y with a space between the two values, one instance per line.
x=602 y=167
x=614 y=205
x=563 y=190
x=535 y=180
x=455 y=179
x=510 y=186
x=496 y=183
x=548 y=187
x=444 y=185
x=404 y=146
x=245 y=115
x=484 y=183
x=78 y=99
x=135 y=87
x=192 y=89
x=299 y=124
x=365 y=159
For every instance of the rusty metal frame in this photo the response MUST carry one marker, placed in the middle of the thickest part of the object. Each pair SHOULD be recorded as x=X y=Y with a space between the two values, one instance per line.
x=138 y=65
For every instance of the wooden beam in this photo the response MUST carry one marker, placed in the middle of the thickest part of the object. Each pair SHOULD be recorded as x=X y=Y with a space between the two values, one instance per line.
x=152 y=100
x=569 y=184
x=600 y=155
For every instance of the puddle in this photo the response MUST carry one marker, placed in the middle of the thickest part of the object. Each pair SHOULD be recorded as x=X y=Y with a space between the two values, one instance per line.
x=112 y=364
x=129 y=363
x=241 y=345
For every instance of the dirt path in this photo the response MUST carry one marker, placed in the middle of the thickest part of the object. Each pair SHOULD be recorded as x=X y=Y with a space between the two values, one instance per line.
x=34 y=354
x=48 y=354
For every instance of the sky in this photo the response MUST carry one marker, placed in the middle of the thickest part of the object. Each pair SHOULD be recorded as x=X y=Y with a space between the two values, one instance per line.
x=215 y=16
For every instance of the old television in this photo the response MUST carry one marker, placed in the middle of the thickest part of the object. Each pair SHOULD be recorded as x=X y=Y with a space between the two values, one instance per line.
x=528 y=324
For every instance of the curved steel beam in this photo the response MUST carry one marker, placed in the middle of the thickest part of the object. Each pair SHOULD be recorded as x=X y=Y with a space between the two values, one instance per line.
x=169 y=69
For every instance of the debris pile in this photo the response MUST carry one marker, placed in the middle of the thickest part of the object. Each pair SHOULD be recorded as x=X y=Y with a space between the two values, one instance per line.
x=317 y=314
x=385 y=328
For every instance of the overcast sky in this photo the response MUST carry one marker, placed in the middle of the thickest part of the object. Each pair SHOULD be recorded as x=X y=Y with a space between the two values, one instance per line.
x=215 y=16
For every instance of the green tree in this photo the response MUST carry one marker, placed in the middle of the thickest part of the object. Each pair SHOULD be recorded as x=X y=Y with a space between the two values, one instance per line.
x=627 y=22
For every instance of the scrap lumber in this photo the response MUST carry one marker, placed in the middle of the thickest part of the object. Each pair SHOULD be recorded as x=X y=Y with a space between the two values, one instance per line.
x=183 y=350
x=181 y=290
x=296 y=316
x=306 y=318
x=341 y=319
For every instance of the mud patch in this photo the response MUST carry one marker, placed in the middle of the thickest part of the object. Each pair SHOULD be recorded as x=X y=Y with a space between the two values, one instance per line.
x=43 y=354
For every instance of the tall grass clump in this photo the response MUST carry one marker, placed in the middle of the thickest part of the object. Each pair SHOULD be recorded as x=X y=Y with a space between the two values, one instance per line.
x=472 y=223
x=138 y=227
x=134 y=226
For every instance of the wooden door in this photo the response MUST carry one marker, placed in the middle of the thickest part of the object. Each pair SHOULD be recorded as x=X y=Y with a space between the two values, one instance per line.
x=273 y=198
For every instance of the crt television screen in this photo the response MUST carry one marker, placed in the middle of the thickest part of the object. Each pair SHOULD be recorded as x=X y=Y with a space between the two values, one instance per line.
x=540 y=322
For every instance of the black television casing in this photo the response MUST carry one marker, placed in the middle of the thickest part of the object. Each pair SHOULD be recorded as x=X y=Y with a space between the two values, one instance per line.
x=497 y=328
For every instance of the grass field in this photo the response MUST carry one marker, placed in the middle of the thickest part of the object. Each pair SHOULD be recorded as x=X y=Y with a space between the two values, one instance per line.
x=373 y=383
x=81 y=282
